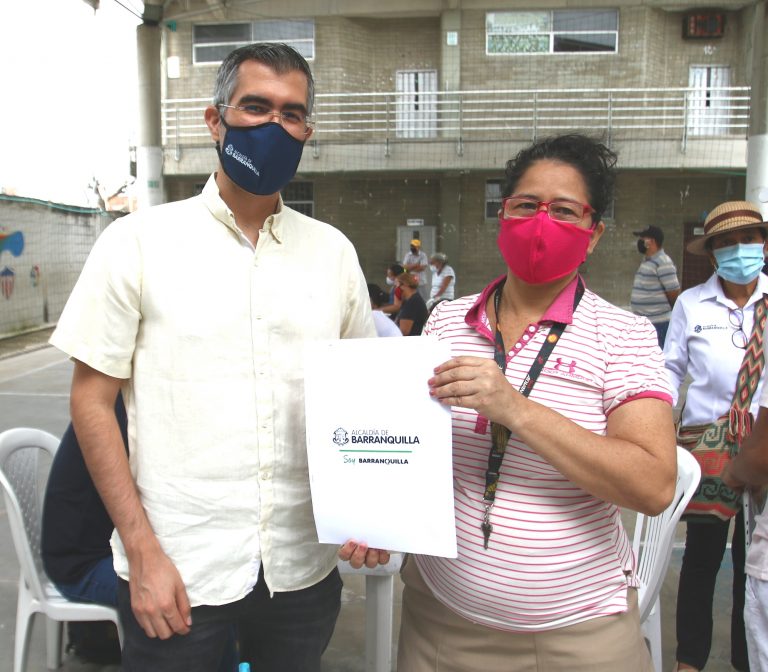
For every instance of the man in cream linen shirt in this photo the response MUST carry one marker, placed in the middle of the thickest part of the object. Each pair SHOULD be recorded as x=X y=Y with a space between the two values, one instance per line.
x=199 y=310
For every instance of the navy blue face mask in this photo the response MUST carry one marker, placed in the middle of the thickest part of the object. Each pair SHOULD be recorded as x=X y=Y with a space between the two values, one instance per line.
x=260 y=159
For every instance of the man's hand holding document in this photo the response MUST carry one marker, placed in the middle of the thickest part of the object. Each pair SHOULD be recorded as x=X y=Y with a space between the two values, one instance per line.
x=379 y=446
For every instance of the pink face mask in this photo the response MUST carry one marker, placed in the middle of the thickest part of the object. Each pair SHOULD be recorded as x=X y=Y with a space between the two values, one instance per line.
x=539 y=249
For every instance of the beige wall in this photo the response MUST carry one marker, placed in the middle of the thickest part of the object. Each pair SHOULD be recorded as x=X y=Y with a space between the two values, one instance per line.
x=652 y=53
x=361 y=53
x=369 y=209
x=358 y=54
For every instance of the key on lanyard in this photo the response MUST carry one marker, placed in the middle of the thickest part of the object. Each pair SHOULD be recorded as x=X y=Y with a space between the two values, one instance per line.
x=486 y=526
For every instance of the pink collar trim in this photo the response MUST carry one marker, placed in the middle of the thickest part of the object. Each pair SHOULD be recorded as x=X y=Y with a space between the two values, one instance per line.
x=560 y=310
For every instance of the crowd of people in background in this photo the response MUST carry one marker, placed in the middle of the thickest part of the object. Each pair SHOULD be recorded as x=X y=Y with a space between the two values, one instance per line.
x=215 y=556
x=406 y=304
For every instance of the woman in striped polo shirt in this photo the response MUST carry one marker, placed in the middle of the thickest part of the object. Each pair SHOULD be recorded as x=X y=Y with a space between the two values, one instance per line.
x=561 y=415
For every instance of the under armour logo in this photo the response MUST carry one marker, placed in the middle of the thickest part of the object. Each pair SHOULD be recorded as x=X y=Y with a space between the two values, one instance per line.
x=571 y=365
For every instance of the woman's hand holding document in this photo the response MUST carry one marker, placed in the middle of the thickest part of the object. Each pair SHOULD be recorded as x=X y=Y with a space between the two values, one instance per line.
x=379 y=448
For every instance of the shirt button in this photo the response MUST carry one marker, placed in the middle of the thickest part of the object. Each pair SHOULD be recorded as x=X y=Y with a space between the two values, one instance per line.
x=531 y=328
x=517 y=346
x=526 y=337
x=266 y=475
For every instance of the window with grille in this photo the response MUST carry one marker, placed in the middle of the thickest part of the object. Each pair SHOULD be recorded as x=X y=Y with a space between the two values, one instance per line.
x=212 y=42
x=493 y=198
x=550 y=32
x=301 y=197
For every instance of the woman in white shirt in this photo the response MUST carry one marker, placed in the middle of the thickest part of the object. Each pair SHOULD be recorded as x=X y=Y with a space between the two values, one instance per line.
x=708 y=334
x=443 y=279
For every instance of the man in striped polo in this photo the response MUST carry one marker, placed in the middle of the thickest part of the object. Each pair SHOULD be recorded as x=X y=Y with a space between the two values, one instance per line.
x=656 y=286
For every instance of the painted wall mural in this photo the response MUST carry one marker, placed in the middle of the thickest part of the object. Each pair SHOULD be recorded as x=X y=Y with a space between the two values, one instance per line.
x=14 y=244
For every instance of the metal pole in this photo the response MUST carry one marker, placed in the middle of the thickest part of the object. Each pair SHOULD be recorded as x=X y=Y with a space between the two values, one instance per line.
x=460 y=143
x=610 y=118
x=149 y=150
x=757 y=141
x=386 y=128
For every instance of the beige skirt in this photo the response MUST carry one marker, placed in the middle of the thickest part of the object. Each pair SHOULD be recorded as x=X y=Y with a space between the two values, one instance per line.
x=435 y=639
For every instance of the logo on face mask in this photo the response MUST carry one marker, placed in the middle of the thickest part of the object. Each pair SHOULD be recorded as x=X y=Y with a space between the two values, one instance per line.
x=229 y=150
x=260 y=159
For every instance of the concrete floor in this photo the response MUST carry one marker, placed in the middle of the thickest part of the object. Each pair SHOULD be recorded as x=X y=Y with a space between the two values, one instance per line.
x=34 y=391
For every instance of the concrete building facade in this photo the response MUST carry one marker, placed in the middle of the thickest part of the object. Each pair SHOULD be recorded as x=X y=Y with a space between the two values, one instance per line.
x=419 y=105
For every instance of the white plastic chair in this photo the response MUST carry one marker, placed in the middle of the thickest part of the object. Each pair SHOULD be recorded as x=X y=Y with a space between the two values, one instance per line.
x=379 y=601
x=652 y=544
x=23 y=477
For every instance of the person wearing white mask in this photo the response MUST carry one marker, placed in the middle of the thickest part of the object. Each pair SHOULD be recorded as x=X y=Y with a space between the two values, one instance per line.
x=707 y=338
x=443 y=279
x=392 y=308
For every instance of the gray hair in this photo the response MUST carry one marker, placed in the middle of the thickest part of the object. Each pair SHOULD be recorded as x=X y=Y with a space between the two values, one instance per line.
x=439 y=256
x=279 y=57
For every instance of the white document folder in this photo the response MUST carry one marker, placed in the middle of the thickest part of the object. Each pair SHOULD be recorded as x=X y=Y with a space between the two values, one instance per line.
x=379 y=446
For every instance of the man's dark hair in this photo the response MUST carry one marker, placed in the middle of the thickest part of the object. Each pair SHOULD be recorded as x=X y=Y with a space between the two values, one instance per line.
x=279 y=57
x=595 y=162
x=396 y=269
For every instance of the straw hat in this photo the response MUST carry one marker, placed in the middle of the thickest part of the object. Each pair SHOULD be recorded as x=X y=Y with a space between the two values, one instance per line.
x=728 y=216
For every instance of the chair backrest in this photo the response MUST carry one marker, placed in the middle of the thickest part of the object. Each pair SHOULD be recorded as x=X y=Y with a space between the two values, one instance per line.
x=23 y=475
x=655 y=535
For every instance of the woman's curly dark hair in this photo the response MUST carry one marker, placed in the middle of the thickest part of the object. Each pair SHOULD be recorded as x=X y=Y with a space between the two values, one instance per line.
x=595 y=162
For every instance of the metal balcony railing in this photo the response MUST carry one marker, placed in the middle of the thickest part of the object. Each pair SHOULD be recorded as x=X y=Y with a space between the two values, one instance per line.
x=512 y=114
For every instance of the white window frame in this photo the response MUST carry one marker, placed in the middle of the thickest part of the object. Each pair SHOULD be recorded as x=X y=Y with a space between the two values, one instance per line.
x=416 y=107
x=551 y=33
x=293 y=42
x=708 y=109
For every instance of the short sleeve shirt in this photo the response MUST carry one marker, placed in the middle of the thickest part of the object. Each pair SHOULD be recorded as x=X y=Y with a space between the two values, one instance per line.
x=414 y=309
x=421 y=259
x=656 y=276
x=558 y=555
x=437 y=281
x=208 y=332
